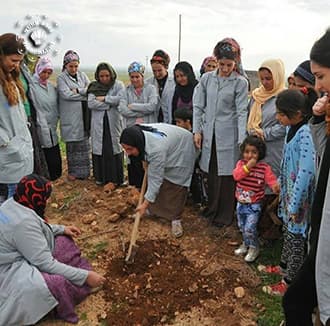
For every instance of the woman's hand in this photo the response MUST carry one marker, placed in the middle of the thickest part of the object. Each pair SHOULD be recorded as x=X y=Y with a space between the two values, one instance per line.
x=71 y=231
x=94 y=279
x=276 y=188
x=198 y=140
x=100 y=98
x=141 y=209
x=259 y=133
x=319 y=107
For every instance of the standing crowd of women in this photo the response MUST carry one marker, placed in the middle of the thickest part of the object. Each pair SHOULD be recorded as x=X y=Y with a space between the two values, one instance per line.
x=272 y=131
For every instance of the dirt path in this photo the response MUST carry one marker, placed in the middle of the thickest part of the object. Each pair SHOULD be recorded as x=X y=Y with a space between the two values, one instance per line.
x=188 y=281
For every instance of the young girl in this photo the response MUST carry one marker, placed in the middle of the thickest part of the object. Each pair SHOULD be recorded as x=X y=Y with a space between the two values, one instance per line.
x=294 y=107
x=251 y=175
x=185 y=81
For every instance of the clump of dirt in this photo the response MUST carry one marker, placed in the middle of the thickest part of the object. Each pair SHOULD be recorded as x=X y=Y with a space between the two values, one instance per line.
x=160 y=284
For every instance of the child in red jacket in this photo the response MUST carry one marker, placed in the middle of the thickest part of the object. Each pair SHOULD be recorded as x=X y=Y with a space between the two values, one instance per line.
x=251 y=175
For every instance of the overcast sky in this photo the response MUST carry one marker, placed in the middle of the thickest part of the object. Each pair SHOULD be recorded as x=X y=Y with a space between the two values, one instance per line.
x=122 y=31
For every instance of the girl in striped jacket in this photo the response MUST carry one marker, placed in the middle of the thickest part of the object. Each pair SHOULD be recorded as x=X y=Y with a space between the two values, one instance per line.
x=251 y=175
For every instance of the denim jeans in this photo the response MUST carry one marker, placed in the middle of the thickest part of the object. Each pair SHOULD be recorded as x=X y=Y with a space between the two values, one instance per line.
x=11 y=189
x=248 y=217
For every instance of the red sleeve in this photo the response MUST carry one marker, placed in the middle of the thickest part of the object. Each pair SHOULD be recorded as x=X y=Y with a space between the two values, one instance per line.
x=238 y=172
x=270 y=177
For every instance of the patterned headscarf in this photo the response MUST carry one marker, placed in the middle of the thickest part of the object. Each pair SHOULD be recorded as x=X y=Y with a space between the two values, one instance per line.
x=69 y=57
x=228 y=48
x=44 y=63
x=205 y=63
x=33 y=191
x=261 y=95
x=160 y=57
x=136 y=67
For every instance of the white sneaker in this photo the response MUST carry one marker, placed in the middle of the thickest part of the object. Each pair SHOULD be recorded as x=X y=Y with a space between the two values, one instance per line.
x=242 y=250
x=177 y=229
x=252 y=254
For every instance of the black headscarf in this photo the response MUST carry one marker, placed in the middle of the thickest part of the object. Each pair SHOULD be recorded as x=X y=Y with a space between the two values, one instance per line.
x=133 y=136
x=184 y=92
x=33 y=191
x=97 y=88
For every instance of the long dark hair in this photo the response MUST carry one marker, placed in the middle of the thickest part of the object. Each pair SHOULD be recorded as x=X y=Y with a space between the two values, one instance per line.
x=11 y=44
x=320 y=52
x=290 y=101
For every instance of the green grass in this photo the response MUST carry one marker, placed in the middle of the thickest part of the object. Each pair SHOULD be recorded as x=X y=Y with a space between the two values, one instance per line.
x=272 y=314
x=97 y=249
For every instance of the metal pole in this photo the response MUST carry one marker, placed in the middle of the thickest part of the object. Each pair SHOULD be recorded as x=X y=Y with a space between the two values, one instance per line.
x=179 y=51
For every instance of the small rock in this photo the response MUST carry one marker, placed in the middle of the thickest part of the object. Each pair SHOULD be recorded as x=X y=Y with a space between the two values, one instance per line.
x=193 y=288
x=54 y=205
x=109 y=187
x=93 y=223
x=164 y=319
x=103 y=315
x=239 y=292
x=114 y=217
x=88 y=219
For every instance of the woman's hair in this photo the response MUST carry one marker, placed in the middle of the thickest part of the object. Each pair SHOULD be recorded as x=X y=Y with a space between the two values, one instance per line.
x=257 y=142
x=291 y=101
x=320 y=52
x=160 y=57
x=188 y=70
x=105 y=66
x=10 y=44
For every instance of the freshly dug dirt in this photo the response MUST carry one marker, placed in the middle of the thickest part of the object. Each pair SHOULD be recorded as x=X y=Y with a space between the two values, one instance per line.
x=187 y=281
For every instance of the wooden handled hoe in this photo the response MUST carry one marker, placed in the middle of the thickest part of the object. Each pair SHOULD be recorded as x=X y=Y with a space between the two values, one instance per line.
x=132 y=249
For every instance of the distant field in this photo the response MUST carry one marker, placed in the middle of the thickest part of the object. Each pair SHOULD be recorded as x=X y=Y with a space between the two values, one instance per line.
x=121 y=75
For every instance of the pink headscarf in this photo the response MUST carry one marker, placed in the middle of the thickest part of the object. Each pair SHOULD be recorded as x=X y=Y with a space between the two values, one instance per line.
x=44 y=63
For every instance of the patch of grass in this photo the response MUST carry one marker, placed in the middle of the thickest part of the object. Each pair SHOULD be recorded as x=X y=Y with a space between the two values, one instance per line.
x=271 y=314
x=69 y=199
x=97 y=249
x=83 y=316
x=103 y=323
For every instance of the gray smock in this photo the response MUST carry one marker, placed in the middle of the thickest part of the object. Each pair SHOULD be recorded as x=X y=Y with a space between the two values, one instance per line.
x=144 y=107
x=220 y=109
x=70 y=107
x=165 y=101
x=110 y=108
x=48 y=113
x=170 y=157
x=16 y=149
x=26 y=246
